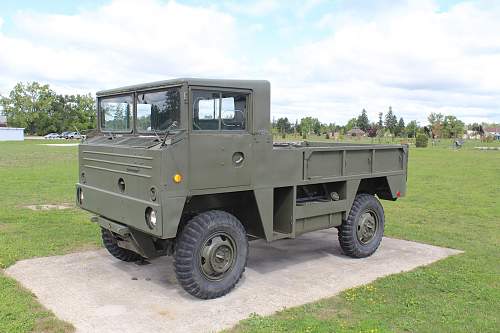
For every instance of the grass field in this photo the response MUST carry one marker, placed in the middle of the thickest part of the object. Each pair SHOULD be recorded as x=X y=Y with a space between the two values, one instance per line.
x=30 y=174
x=453 y=200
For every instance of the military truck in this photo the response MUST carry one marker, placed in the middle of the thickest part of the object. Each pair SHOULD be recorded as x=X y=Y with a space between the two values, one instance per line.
x=188 y=168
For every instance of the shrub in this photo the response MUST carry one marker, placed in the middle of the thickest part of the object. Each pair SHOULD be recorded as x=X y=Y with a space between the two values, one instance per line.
x=421 y=140
x=488 y=138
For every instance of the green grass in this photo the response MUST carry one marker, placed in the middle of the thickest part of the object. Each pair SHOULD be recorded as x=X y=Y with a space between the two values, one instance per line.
x=20 y=312
x=31 y=173
x=453 y=200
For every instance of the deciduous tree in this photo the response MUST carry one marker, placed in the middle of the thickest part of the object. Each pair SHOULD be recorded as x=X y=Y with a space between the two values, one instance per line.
x=436 y=124
x=40 y=110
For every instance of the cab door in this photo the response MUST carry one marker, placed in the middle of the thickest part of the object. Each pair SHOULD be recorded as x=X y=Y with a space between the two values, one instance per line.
x=220 y=140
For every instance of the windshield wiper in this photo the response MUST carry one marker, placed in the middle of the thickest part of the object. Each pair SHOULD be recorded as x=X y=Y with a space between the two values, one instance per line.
x=111 y=135
x=156 y=133
x=167 y=132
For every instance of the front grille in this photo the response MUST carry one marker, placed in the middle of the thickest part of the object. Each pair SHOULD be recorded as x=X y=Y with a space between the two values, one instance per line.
x=118 y=163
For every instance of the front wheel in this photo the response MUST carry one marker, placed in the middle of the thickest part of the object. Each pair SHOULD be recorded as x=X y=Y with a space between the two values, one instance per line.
x=211 y=254
x=111 y=244
x=361 y=233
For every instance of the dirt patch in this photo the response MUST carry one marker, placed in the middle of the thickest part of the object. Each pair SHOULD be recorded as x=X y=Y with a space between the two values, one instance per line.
x=52 y=325
x=49 y=207
x=86 y=247
x=330 y=309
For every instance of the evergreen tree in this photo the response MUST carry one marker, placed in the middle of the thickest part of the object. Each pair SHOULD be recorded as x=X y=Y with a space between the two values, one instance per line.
x=391 y=121
x=400 y=128
x=363 y=122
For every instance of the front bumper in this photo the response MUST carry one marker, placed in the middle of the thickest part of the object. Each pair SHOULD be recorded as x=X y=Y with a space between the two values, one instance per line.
x=131 y=239
x=120 y=208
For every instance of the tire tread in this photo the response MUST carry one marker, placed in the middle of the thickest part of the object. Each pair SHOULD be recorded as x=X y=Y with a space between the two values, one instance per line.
x=184 y=260
x=347 y=231
x=110 y=243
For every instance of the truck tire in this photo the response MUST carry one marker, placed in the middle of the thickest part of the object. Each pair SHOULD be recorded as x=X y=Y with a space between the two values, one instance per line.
x=211 y=254
x=111 y=244
x=360 y=235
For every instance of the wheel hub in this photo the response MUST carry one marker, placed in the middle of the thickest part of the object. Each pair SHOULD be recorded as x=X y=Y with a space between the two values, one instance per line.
x=217 y=256
x=367 y=227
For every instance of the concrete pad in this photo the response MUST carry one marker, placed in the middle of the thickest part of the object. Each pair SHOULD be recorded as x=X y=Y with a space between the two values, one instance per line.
x=98 y=293
x=60 y=144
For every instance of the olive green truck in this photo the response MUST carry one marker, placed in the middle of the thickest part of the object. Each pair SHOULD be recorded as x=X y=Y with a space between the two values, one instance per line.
x=188 y=168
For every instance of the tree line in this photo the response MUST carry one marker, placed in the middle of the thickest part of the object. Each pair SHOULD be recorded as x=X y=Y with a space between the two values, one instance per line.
x=40 y=110
x=440 y=126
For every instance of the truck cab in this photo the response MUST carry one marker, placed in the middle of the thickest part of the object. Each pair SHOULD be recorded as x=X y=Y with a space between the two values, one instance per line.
x=187 y=167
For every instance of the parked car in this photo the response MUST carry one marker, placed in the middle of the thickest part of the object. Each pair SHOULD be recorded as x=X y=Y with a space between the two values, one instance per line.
x=52 y=136
x=64 y=135
x=74 y=136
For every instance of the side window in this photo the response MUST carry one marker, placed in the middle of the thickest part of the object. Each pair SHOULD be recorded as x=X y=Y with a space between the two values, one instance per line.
x=233 y=111
x=219 y=111
x=206 y=110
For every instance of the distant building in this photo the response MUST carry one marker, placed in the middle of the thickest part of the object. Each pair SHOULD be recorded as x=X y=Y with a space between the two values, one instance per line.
x=474 y=135
x=356 y=132
x=9 y=133
x=492 y=131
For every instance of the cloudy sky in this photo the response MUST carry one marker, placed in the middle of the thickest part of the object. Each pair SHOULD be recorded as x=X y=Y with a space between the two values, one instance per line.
x=327 y=59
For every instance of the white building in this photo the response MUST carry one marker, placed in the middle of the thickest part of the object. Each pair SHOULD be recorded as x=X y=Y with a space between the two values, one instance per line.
x=11 y=134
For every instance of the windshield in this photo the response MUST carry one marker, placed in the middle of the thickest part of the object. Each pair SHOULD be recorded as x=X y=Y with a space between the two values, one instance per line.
x=116 y=113
x=156 y=111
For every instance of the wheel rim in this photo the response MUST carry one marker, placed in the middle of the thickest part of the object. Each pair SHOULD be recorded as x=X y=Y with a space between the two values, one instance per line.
x=217 y=256
x=367 y=227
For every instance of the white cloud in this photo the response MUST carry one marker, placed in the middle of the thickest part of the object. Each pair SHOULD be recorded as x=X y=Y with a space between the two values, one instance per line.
x=410 y=56
x=253 y=8
x=120 y=43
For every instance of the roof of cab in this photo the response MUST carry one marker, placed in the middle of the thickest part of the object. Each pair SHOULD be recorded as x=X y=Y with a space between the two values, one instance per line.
x=223 y=83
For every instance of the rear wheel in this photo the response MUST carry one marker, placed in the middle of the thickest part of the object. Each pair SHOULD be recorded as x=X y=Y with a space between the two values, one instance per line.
x=111 y=244
x=211 y=254
x=360 y=235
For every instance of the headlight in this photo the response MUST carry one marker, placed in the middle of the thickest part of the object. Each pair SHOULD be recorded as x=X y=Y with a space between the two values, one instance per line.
x=151 y=217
